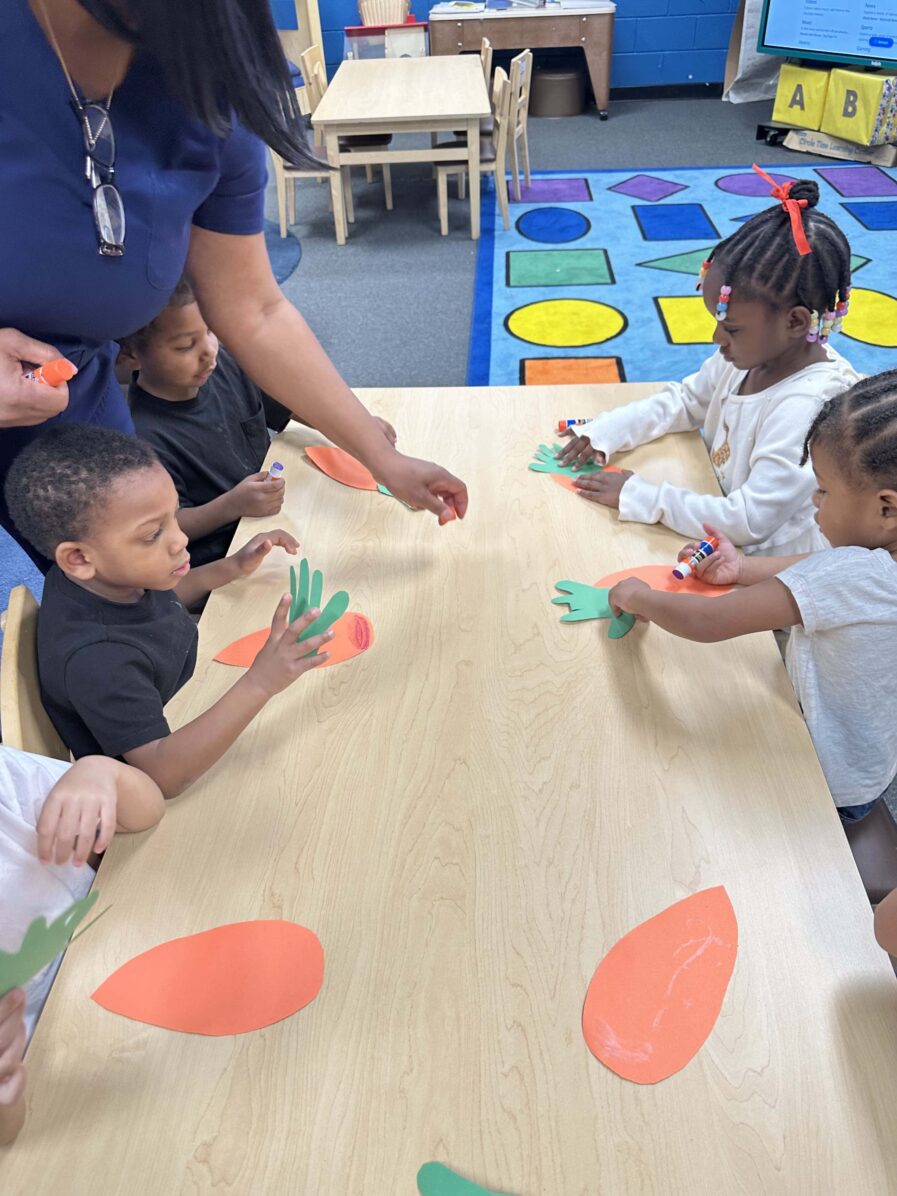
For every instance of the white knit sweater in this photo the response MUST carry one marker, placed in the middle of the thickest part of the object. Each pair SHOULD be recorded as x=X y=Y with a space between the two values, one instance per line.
x=766 y=505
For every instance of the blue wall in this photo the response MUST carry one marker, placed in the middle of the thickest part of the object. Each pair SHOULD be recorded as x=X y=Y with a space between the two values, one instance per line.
x=656 y=41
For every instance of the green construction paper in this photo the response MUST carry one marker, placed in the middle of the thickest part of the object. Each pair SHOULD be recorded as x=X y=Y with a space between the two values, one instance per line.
x=591 y=602
x=317 y=589
x=389 y=494
x=546 y=462
x=306 y=595
x=42 y=943
x=435 y=1179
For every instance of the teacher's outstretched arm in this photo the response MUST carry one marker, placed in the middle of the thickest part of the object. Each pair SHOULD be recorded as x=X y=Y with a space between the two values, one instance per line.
x=245 y=308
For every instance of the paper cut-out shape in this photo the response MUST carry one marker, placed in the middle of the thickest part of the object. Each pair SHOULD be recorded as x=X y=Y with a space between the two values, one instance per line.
x=341 y=466
x=353 y=633
x=229 y=980
x=590 y=602
x=545 y=461
x=657 y=993
x=42 y=943
x=435 y=1179
x=660 y=577
x=306 y=595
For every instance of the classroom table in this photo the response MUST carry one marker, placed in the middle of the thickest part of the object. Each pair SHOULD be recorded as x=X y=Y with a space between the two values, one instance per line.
x=468 y=816
x=587 y=27
x=404 y=95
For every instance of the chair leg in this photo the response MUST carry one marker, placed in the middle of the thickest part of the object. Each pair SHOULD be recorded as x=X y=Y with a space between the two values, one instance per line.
x=387 y=185
x=291 y=201
x=281 y=186
x=501 y=190
x=347 y=192
x=515 y=166
x=442 y=198
x=462 y=184
x=524 y=157
x=369 y=174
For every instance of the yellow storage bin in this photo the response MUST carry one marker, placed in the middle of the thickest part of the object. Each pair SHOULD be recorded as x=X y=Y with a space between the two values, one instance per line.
x=861 y=108
x=800 y=97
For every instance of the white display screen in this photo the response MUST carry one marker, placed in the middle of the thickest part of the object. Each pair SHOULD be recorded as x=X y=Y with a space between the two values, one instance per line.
x=839 y=28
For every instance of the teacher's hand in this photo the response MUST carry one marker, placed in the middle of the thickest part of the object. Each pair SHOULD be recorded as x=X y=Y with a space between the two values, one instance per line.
x=424 y=485
x=24 y=402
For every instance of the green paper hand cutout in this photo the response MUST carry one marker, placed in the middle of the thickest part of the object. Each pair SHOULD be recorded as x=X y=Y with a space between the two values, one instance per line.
x=590 y=602
x=389 y=494
x=546 y=462
x=306 y=594
x=435 y=1179
x=41 y=944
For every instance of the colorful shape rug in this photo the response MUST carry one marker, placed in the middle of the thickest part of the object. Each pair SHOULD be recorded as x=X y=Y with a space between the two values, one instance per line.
x=595 y=280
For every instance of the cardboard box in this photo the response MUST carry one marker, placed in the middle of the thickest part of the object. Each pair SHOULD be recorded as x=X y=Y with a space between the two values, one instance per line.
x=801 y=96
x=808 y=141
x=861 y=107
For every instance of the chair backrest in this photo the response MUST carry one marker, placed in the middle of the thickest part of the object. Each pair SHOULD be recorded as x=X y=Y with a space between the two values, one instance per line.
x=24 y=722
x=309 y=59
x=384 y=12
x=316 y=82
x=486 y=59
x=521 y=77
x=503 y=107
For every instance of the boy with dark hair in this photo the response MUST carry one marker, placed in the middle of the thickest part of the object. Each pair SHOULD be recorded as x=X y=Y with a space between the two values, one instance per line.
x=207 y=421
x=114 y=640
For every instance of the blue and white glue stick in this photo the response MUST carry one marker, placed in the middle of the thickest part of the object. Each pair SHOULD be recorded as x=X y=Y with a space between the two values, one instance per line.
x=705 y=549
x=564 y=424
x=275 y=473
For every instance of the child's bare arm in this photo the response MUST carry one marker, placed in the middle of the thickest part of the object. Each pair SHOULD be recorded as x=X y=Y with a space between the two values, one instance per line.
x=201 y=581
x=12 y=1069
x=177 y=760
x=886 y=923
x=256 y=495
x=762 y=607
x=208 y=517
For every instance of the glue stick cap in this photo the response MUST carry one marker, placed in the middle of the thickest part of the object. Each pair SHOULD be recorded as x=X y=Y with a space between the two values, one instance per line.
x=54 y=372
x=682 y=570
x=276 y=469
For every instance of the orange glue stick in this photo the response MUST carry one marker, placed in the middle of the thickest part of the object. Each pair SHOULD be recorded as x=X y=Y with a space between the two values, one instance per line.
x=54 y=373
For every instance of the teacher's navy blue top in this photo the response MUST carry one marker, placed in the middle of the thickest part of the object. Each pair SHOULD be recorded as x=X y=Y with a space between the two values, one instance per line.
x=172 y=172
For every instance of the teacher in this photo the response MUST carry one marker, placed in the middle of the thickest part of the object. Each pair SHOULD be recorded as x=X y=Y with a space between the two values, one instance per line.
x=132 y=138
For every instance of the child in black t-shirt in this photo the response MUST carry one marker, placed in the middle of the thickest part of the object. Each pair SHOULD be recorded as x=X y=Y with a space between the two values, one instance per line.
x=114 y=640
x=207 y=421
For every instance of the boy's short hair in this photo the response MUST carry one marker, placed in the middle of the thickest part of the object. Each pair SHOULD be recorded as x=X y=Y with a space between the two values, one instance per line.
x=181 y=296
x=56 y=483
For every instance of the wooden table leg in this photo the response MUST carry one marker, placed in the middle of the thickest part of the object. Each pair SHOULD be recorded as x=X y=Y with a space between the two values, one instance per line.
x=473 y=168
x=597 y=49
x=331 y=141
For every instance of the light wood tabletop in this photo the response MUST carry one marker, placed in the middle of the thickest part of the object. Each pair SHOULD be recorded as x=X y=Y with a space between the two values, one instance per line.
x=404 y=95
x=468 y=816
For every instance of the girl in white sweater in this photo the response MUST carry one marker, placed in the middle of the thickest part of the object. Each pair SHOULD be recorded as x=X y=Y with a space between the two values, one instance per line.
x=778 y=288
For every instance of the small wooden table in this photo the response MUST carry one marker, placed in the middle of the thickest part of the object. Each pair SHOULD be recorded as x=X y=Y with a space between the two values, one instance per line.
x=404 y=95
x=551 y=27
x=469 y=816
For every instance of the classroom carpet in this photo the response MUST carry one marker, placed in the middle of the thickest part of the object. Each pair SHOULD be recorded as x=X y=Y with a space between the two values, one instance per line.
x=596 y=279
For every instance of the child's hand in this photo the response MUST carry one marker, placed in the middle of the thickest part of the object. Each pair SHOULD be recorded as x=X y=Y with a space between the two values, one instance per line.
x=579 y=451
x=251 y=555
x=603 y=488
x=79 y=815
x=12 y=1046
x=282 y=659
x=258 y=495
x=627 y=595
x=723 y=566
x=388 y=430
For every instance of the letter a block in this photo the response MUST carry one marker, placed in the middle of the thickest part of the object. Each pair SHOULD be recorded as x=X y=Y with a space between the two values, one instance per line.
x=800 y=97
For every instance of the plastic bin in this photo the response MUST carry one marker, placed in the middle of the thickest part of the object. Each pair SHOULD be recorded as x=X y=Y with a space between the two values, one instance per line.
x=558 y=93
x=369 y=41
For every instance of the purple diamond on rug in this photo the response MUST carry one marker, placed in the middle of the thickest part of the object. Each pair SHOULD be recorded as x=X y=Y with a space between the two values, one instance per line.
x=554 y=191
x=647 y=187
x=856 y=181
x=750 y=183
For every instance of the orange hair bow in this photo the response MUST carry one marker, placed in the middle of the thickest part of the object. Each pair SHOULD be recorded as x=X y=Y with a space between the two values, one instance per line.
x=793 y=207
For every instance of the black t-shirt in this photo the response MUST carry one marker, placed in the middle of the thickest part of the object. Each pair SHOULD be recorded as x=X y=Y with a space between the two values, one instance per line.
x=108 y=668
x=211 y=443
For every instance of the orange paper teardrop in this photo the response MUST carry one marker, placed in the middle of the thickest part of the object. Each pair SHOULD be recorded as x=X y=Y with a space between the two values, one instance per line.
x=229 y=980
x=657 y=993
x=341 y=466
x=353 y=634
x=570 y=483
x=660 y=577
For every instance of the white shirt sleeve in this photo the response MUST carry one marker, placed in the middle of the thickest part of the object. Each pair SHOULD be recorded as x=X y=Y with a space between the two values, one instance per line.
x=679 y=407
x=843 y=587
x=776 y=488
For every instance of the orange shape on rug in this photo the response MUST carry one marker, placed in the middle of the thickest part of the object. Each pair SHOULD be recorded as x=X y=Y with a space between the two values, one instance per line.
x=341 y=466
x=228 y=980
x=657 y=993
x=353 y=634
x=570 y=483
x=660 y=577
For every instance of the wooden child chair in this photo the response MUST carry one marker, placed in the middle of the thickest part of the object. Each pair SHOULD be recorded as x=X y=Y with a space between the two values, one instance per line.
x=486 y=60
x=24 y=722
x=521 y=77
x=493 y=153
